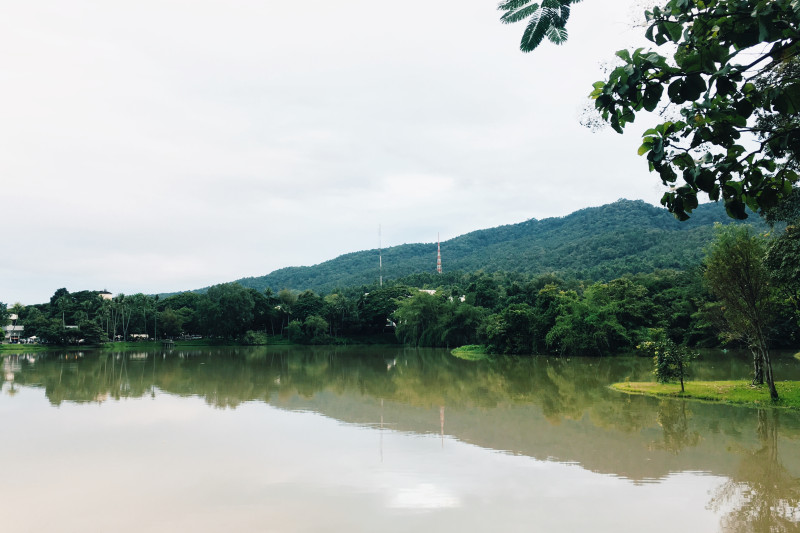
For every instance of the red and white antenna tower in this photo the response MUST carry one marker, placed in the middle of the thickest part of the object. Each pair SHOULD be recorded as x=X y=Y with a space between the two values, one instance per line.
x=438 y=255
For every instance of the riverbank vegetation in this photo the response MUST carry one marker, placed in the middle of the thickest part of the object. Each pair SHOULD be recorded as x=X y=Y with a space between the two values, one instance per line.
x=507 y=313
x=733 y=392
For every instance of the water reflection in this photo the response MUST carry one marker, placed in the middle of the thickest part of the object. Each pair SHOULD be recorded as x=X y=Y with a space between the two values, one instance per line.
x=551 y=410
x=763 y=493
x=673 y=417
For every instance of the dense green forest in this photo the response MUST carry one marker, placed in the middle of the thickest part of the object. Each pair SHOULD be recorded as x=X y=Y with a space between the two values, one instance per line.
x=507 y=311
x=597 y=243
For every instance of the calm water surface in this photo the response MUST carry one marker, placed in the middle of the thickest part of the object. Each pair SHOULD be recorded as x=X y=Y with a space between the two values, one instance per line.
x=382 y=439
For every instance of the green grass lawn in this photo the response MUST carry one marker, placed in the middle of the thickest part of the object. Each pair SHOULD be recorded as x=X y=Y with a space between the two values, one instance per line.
x=732 y=392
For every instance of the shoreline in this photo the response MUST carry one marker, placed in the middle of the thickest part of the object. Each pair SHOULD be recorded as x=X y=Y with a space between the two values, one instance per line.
x=739 y=392
x=177 y=343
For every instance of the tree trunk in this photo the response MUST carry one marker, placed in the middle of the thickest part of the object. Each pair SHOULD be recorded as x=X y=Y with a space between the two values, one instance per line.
x=767 y=366
x=758 y=369
x=765 y=363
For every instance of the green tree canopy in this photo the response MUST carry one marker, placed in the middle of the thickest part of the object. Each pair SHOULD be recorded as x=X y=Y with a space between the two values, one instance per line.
x=512 y=330
x=728 y=70
x=227 y=309
x=315 y=327
x=420 y=319
x=783 y=261
x=735 y=272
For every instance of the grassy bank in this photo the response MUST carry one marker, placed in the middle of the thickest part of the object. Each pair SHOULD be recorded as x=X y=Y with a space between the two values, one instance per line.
x=732 y=392
x=129 y=345
x=27 y=348
x=470 y=352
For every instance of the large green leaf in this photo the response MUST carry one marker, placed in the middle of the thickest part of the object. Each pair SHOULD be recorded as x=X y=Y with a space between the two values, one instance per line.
x=788 y=101
x=693 y=87
x=652 y=95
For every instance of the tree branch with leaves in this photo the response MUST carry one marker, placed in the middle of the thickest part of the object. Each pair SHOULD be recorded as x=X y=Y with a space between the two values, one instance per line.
x=730 y=74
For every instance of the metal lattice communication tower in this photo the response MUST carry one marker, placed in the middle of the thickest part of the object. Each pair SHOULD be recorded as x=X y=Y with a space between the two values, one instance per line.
x=438 y=255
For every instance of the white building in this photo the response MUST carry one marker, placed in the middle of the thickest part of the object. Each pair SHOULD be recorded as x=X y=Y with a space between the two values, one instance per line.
x=13 y=333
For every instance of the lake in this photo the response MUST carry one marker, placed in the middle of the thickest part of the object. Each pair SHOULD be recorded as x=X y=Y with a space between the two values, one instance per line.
x=383 y=439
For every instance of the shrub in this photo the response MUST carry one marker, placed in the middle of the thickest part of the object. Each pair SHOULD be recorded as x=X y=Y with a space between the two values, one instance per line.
x=671 y=361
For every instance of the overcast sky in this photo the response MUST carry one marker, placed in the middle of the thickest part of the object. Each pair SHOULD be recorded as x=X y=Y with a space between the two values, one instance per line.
x=154 y=146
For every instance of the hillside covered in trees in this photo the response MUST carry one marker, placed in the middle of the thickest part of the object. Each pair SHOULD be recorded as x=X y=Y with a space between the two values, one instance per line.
x=596 y=243
x=656 y=291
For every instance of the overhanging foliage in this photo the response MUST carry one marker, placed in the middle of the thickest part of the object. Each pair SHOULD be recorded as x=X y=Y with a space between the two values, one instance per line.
x=729 y=72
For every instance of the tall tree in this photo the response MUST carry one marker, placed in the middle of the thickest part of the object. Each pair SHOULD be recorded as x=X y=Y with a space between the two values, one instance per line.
x=227 y=310
x=736 y=274
x=171 y=323
x=122 y=307
x=287 y=300
x=377 y=306
x=512 y=330
x=337 y=306
x=421 y=319
x=3 y=319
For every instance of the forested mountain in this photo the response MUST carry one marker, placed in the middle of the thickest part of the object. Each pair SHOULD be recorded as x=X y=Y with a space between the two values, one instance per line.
x=596 y=243
x=599 y=281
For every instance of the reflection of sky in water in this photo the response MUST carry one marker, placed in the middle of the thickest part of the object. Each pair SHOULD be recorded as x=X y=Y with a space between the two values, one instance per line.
x=175 y=464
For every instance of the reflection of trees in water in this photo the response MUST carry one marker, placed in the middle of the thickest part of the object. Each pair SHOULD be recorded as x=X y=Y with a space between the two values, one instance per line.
x=542 y=407
x=92 y=379
x=673 y=417
x=423 y=378
x=765 y=497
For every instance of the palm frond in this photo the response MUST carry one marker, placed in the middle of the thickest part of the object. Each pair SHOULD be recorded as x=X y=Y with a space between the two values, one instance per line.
x=547 y=18
x=512 y=4
x=519 y=14
x=564 y=15
x=557 y=35
x=536 y=29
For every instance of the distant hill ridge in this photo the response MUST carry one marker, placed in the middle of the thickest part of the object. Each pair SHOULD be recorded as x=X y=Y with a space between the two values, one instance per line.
x=595 y=243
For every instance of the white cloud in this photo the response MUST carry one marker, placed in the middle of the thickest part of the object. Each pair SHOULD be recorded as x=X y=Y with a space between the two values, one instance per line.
x=156 y=146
